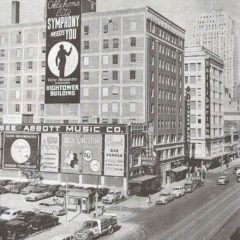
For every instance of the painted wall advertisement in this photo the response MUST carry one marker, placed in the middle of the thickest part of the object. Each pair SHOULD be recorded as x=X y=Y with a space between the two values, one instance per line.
x=63 y=37
x=81 y=153
x=20 y=150
x=114 y=155
x=49 y=152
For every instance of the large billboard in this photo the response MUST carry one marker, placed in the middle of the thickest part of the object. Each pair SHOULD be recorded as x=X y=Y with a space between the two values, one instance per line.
x=20 y=151
x=81 y=153
x=63 y=38
x=114 y=155
x=49 y=152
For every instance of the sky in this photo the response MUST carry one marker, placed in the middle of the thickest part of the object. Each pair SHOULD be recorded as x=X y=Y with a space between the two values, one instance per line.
x=182 y=12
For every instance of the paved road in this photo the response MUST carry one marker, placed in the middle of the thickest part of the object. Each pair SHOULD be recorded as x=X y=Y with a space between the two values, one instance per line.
x=197 y=216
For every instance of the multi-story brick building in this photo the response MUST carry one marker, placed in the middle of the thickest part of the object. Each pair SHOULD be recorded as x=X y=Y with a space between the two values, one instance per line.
x=204 y=76
x=131 y=71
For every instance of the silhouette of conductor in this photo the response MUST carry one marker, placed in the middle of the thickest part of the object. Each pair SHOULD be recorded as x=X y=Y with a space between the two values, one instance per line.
x=61 y=55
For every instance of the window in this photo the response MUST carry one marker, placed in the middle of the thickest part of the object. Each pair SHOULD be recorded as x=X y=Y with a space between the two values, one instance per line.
x=86 y=45
x=29 y=94
x=105 y=28
x=193 y=132
x=29 y=107
x=86 y=30
x=104 y=107
x=1 y=107
x=186 y=67
x=43 y=49
x=43 y=78
x=193 y=119
x=193 y=92
x=30 y=65
x=43 y=64
x=199 y=105
x=199 y=66
x=43 y=35
x=132 y=107
x=192 y=79
x=42 y=107
x=2 y=53
x=133 y=57
x=105 y=43
x=105 y=60
x=133 y=26
x=17 y=94
x=115 y=91
x=85 y=61
x=115 y=75
x=17 y=108
x=115 y=43
x=85 y=92
x=19 y=37
x=133 y=41
x=30 y=52
x=115 y=59
x=199 y=92
x=1 y=81
x=199 y=132
x=132 y=74
x=193 y=105
x=199 y=119
x=18 y=80
x=105 y=92
x=115 y=107
x=18 y=66
x=192 y=66
x=86 y=76
x=105 y=75
x=132 y=91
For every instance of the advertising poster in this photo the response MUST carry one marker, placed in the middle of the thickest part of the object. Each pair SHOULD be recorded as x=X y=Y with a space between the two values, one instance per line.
x=20 y=151
x=81 y=153
x=114 y=155
x=49 y=152
x=63 y=37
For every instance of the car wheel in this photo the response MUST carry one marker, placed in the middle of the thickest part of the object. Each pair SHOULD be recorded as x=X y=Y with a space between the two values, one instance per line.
x=111 y=230
x=54 y=213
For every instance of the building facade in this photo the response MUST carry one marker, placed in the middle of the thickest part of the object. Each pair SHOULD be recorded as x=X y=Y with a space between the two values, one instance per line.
x=215 y=31
x=131 y=71
x=204 y=76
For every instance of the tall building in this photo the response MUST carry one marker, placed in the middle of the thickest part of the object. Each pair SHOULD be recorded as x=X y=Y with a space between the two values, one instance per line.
x=215 y=31
x=204 y=77
x=131 y=71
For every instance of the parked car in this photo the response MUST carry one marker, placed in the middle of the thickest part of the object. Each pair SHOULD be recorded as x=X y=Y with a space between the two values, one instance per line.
x=178 y=191
x=42 y=221
x=51 y=207
x=222 y=180
x=10 y=214
x=164 y=198
x=30 y=188
x=198 y=181
x=16 y=229
x=53 y=188
x=25 y=216
x=101 y=191
x=236 y=168
x=3 y=190
x=10 y=185
x=38 y=196
x=18 y=187
x=62 y=190
x=112 y=196
x=190 y=186
x=4 y=182
x=3 y=209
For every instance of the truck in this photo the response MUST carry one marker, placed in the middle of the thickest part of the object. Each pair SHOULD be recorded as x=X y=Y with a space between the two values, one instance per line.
x=95 y=227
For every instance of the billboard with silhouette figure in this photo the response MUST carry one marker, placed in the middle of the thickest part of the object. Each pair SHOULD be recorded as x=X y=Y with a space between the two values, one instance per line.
x=63 y=38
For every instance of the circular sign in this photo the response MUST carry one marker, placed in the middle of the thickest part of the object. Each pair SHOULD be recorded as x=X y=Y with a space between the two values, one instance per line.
x=87 y=155
x=95 y=165
x=63 y=57
x=20 y=151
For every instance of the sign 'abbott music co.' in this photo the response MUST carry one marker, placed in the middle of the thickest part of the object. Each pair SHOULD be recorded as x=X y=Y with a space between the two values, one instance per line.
x=63 y=51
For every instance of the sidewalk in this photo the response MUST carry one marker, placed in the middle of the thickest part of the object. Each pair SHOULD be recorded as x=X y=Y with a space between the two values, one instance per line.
x=223 y=168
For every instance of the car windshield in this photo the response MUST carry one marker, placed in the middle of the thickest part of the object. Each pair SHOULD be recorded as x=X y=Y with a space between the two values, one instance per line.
x=111 y=193
x=222 y=177
x=88 y=224
x=176 y=188
x=163 y=194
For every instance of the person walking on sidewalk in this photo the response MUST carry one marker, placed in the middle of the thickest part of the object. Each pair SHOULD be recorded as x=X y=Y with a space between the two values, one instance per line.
x=149 y=199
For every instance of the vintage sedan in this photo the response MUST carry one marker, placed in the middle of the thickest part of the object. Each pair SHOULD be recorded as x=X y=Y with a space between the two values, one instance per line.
x=42 y=221
x=51 y=207
x=10 y=185
x=38 y=196
x=25 y=216
x=16 y=229
x=164 y=198
x=18 y=187
x=222 y=180
x=10 y=214
x=30 y=188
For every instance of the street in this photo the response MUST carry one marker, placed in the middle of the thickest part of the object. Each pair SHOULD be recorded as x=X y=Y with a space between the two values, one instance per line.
x=198 y=215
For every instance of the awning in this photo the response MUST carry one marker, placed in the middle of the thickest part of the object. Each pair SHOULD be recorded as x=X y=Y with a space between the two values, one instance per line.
x=179 y=169
x=142 y=179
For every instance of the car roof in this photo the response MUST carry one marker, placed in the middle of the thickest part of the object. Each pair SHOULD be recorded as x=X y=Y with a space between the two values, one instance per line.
x=222 y=177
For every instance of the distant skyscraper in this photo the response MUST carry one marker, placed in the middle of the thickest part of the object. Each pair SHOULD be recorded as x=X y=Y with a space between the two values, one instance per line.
x=215 y=31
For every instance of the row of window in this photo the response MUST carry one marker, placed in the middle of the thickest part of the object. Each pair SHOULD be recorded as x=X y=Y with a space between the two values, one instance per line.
x=18 y=80
x=114 y=107
x=197 y=105
x=18 y=108
x=166 y=124
x=167 y=109
x=168 y=153
x=18 y=67
x=193 y=67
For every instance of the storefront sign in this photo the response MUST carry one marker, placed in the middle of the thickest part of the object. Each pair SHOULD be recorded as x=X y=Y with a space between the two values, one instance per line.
x=114 y=155
x=20 y=151
x=207 y=99
x=65 y=128
x=63 y=38
x=81 y=153
x=49 y=152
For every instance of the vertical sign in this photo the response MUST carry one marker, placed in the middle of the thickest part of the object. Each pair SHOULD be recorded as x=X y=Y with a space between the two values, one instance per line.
x=49 y=152
x=207 y=99
x=114 y=155
x=63 y=38
x=187 y=121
